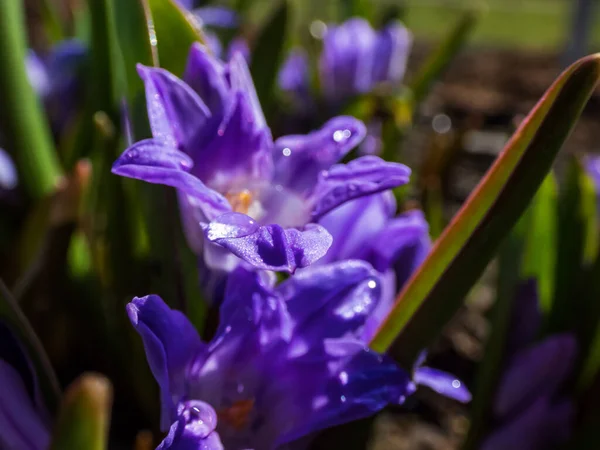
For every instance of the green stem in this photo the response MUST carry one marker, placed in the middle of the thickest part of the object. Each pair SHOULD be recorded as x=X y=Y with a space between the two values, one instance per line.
x=23 y=121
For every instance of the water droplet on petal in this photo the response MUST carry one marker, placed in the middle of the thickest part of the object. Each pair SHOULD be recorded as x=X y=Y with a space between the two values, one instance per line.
x=343 y=398
x=347 y=133
x=286 y=151
x=372 y=284
x=344 y=378
x=338 y=135
x=456 y=384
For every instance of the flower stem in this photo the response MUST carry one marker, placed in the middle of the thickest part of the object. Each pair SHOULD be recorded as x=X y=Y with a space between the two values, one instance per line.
x=22 y=121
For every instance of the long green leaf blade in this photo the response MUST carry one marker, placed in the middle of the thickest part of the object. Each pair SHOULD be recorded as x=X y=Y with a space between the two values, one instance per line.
x=436 y=290
x=268 y=54
x=176 y=31
x=22 y=119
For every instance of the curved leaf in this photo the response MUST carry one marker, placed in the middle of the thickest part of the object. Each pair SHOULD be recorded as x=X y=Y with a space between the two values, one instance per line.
x=436 y=291
x=12 y=314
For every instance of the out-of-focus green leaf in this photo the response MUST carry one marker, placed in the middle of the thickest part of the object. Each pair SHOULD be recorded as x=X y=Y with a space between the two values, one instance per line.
x=356 y=8
x=539 y=258
x=22 y=119
x=176 y=30
x=84 y=415
x=576 y=246
x=437 y=63
x=436 y=291
x=14 y=317
x=268 y=55
x=51 y=20
x=486 y=379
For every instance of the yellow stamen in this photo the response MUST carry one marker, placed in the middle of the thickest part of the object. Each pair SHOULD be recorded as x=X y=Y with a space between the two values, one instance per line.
x=240 y=201
x=237 y=414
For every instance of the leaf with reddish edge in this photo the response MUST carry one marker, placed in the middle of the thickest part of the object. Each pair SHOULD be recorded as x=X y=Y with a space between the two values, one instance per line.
x=437 y=289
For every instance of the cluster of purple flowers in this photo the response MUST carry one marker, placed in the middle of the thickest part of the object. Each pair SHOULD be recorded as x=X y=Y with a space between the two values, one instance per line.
x=292 y=358
x=530 y=411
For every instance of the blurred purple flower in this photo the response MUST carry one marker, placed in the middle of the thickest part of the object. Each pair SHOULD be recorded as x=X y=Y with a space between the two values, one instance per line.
x=355 y=57
x=239 y=192
x=217 y=16
x=55 y=78
x=24 y=421
x=8 y=173
x=529 y=411
x=287 y=360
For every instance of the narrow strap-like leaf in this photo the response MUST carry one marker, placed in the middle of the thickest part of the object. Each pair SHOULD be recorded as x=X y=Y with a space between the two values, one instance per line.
x=436 y=291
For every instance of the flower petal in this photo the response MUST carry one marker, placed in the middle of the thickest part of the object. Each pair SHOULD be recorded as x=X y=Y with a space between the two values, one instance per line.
x=238 y=153
x=241 y=81
x=534 y=372
x=21 y=426
x=175 y=111
x=194 y=429
x=355 y=226
x=403 y=244
x=154 y=162
x=363 y=176
x=525 y=430
x=269 y=247
x=361 y=383
x=206 y=75
x=171 y=342
x=346 y=61
x=8 y=172
x=299 y=159
x=391 y=53
x=217 y=16
x=342 y=295
x=294 y=75
x=442 y=383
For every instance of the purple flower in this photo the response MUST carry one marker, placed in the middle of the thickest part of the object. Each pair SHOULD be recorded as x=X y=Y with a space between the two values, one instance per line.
x=24 y=420
x=287 y=360
x=355 y=57
x=366 y=229
x=217 y=16
x=239 y=192
x=8 y=172
x=529 y=410
x=55 y=78
x=294 y=77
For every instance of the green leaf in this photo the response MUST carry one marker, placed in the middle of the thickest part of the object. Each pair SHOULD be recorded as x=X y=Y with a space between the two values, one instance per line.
x=14 y=317
x=577 y=236
x=176 y=30
x=268 y=55
x=85 y=415
x=539 y=259
x=487 y=376
x=137 y=42
x=437 y=63
x=22 y=119
x=436 y=291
